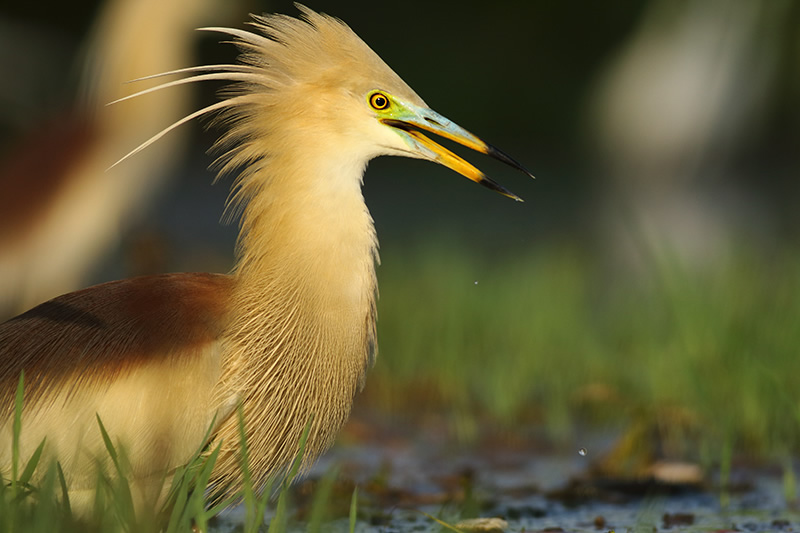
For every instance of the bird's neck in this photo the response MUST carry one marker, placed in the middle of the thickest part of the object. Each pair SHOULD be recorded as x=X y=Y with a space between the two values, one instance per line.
x=309 y=231
x=303 y=332
x=308 y=219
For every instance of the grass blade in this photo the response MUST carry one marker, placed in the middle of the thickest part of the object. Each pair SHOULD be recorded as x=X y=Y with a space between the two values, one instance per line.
x=322 y=495
x=442 y=522
x=280 y=521
x=298 y=459
x=353 y=509
x=197 y=501
x=30 y=467
x=120 y=488
x=16 y=430
x=255 y=505
x=185 y=478
x=64 y=492
x=112 y=452
x=248 y=494
x=179 y=500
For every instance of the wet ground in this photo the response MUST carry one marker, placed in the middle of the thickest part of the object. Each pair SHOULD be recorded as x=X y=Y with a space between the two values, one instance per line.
x=404 y=483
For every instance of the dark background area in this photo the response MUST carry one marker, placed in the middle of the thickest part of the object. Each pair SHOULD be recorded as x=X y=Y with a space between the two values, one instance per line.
x=522 y=75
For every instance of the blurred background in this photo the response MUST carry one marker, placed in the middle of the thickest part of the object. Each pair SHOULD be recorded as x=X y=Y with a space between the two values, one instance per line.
x=649 y=285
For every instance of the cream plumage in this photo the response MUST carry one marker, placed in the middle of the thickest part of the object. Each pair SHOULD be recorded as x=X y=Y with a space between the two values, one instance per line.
x=290 y=333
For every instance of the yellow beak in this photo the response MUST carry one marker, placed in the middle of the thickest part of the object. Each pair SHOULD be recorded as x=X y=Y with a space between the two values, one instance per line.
x=413 y=119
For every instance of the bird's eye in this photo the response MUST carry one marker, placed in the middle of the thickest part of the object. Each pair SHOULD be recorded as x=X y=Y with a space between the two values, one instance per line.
x=379 y=101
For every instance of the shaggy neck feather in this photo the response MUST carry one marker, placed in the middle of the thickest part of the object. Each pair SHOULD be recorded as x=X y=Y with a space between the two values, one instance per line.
x=305 y=294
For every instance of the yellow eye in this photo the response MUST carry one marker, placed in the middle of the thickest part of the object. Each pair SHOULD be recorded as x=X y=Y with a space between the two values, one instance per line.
x=379 y=101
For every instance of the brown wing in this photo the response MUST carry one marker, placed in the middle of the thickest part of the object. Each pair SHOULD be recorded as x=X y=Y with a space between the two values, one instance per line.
x=95 y=334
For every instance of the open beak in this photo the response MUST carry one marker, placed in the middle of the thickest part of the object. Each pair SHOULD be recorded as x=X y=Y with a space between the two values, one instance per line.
x=417 y=119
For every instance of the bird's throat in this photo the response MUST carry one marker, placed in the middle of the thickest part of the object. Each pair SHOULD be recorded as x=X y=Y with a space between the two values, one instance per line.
x=305 y=329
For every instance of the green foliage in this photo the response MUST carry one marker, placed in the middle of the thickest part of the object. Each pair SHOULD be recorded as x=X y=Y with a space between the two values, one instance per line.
x=555 y=338
x=353 y=510
x=34 y=503
x=322 y=495
x=550 y=339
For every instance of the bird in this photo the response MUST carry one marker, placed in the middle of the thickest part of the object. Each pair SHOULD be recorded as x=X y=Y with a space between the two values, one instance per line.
x=66 y=205
x=169 y=362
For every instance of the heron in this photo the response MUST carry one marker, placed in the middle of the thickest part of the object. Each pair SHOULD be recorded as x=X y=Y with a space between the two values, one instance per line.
x=65 y=205
x=167 y=361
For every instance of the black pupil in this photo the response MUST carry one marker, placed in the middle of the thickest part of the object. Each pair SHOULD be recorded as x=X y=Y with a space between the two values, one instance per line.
x=379 y=101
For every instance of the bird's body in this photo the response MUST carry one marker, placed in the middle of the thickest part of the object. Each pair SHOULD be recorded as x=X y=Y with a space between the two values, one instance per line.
x=147 y=373
x=290 y=333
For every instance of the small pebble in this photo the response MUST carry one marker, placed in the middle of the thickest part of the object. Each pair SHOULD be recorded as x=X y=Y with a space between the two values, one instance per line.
x=482 y=525
x=678 y=519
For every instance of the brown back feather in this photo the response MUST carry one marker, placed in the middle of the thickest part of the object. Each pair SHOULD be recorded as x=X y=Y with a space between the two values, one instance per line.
x=94 y=334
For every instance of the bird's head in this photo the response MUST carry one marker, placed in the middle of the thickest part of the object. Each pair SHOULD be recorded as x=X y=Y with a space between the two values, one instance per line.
x=408 y=122
x=323 y=77
x=313 y=80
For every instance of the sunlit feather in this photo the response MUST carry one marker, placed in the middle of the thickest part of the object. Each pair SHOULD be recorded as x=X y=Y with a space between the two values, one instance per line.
x=291 y=332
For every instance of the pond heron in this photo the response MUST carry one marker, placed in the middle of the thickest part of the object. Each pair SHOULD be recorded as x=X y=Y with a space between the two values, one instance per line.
x=165 y=361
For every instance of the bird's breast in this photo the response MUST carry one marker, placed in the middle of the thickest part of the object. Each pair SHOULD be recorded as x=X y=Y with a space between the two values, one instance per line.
x=303 y=334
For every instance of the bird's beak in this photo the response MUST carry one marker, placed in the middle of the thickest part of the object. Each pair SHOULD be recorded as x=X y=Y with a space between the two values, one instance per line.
x=412 y=119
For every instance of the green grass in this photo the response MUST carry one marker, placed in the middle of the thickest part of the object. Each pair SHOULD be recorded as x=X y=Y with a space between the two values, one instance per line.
x=41 y=508
x=548 y=339
x=554 y=339
x=36 y=502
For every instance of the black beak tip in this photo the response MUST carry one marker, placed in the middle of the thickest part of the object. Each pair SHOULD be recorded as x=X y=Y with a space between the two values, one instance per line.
x=500 y=155
x=493 y=185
